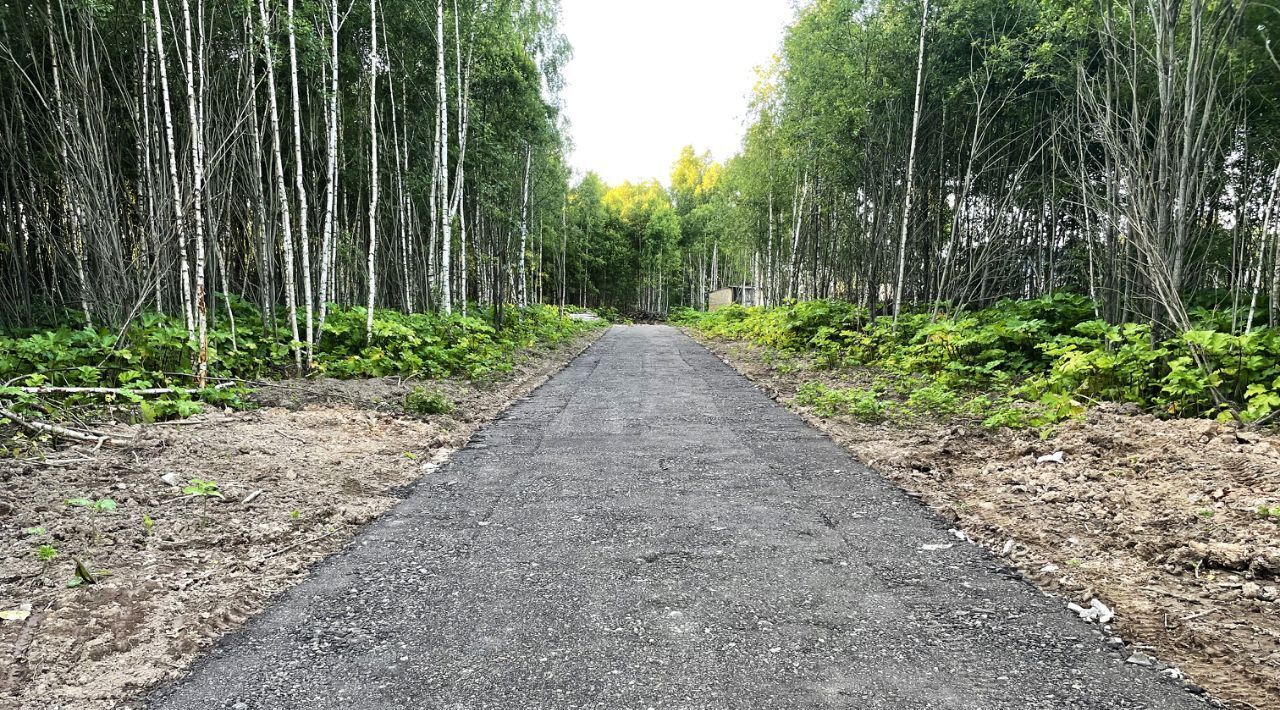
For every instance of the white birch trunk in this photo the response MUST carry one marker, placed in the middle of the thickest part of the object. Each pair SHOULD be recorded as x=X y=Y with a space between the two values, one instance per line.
x=148 y=162
x=715 y=265
x=1265 y=229
x=433 y=217
x=70 y=199
x=464 y=122
x=446 y=216
x=402 y=212
x=184 y=267
x=523 y=296
x=282 y=190
x=564 y=250
x=756 y=299
x=462 y=259
x=331 y=152
x=797 y=221
x=197 y=203
x=373 y=171
x=911 y=165
x=300 y=186
x=770 y=259
x=266 y=255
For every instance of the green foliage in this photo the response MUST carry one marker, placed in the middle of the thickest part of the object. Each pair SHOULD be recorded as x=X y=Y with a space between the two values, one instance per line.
x=95 y=507
x=1048 y=357
x=425 y=401
x=685 y=316
x=863 y=405
x=433 y=345
x=1007 y=417
x=167 y=407
x=936 y=399
x=154 y=352
x=102 y=505
x=46 y=553
x=202 y=488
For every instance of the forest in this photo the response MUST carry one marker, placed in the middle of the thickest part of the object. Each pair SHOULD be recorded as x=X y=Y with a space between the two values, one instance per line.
x=266 y=187
x=266 y=264
x=941 y=160
x=204 y=165
x=903 y=155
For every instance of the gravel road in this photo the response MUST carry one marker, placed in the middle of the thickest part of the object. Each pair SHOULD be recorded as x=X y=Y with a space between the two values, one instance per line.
x=648 y=530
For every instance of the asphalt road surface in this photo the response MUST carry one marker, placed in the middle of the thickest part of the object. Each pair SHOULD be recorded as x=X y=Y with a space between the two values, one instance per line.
x=648 y=530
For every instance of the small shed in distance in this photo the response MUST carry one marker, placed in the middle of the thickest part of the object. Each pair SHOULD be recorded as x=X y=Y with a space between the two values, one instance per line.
x=742 y=295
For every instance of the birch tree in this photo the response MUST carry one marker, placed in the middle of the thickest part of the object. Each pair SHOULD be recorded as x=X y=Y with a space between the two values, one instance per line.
x=909 y=181
x=373 y=170
x=300 y=185
x=282 y=192
x=442 y=182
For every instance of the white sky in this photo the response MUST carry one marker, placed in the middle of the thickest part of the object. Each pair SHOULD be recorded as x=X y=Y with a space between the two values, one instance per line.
x=651 y=76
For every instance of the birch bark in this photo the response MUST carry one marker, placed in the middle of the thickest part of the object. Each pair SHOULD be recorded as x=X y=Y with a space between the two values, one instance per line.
x=184 y=267
x=523 y=295
x=300 y=185
x=373 y=171
x=331 y=171
x=282 y=192
x=446 y=216
x=196 y=129
x=911 y=166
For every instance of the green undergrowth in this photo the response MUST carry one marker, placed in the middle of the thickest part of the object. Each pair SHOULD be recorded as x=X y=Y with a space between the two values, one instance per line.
x=1018 y=364
x=154 y=351
x=424 y=401
x=434 y=345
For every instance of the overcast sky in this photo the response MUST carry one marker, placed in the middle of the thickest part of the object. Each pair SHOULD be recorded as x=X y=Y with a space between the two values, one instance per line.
x=651 y=76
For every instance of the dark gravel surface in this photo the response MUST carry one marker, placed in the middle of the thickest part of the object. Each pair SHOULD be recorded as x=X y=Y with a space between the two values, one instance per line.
x=648 y=530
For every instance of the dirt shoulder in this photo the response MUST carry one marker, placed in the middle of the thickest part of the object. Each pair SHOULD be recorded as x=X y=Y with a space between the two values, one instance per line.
x=297 y=477
x=1157 y=519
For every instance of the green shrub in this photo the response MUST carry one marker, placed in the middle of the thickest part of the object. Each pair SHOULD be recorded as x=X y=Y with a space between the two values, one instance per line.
x=934 y=399
x=1049 y=357
x=863 y=405
x=425 y=401
x=155 y=352
x=685 y=316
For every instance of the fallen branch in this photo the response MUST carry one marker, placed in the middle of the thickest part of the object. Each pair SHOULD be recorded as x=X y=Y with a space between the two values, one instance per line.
x=61 y=431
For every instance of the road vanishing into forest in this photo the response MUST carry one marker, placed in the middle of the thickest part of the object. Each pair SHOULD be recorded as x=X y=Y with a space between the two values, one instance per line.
x=649 y=530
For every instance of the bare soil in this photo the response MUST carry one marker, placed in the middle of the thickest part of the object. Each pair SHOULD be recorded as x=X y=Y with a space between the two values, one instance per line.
x=298 y=477
x=1157 y=519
